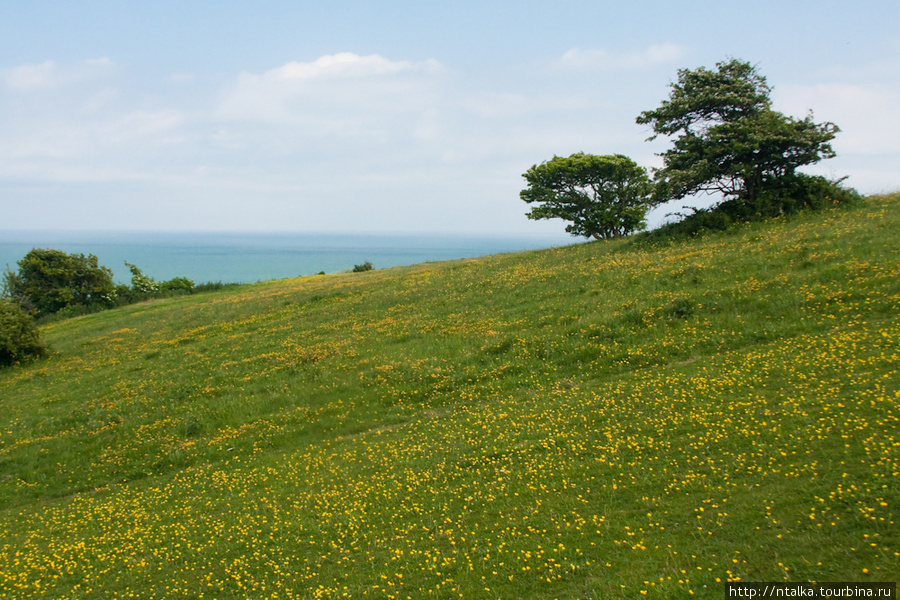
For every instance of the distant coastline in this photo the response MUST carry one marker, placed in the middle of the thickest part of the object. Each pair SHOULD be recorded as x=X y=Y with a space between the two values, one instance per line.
x=247 y=257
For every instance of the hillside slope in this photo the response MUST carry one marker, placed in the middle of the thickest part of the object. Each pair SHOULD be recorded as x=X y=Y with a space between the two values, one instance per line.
x=603 y=420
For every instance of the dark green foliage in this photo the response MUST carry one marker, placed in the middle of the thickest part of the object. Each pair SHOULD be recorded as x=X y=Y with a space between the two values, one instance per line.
x=214 y=286
x=788 y=195
x=799 y=191
x=601 y=196
x=730 y=141
x=178 y=284
x=124 y=295
x=366 y=266
x=19 y=338
x=51 y=280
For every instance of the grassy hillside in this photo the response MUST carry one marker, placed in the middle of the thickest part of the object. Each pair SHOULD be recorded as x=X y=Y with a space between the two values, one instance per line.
x=605 y=420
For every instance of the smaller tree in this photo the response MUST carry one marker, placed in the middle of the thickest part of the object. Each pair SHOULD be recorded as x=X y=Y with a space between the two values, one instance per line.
x=140 y=283
x=601 y=196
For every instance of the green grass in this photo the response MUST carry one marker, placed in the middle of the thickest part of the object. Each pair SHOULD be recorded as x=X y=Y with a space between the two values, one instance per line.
x=607 y=420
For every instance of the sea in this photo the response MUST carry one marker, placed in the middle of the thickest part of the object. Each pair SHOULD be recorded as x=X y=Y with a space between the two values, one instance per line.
x=244 y=257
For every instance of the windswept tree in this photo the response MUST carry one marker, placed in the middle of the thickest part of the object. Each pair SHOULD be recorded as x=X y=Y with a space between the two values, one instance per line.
x=140 y=283
x=728 y=140
x=600 y=196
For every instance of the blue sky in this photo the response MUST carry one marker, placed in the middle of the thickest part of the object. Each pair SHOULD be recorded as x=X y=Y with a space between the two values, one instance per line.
x=391 y=116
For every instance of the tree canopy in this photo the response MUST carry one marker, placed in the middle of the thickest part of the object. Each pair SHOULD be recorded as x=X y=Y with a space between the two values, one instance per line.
x=729 y=140
x=601 y=196
x=50 y=280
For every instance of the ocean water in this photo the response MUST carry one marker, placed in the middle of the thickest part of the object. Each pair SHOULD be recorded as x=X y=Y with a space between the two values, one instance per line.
x=251 y=257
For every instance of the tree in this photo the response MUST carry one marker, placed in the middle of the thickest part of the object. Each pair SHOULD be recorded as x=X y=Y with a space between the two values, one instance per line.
x=730 y=141
x=50 y=280
x=19 y=338
x=601 y=196
x=140 y=283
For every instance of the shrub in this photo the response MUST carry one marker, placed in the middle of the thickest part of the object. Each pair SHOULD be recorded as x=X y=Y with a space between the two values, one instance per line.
x=144 y=287
x=697 y=223
x=140 y=283
x=794 y=193
x=216 y=286
x=178 y=284
x=19 y=338
x=366 y=266
x=124 y=295
x=788 y=195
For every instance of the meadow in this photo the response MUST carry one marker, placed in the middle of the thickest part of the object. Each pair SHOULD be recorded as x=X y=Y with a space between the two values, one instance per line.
x=621 y=419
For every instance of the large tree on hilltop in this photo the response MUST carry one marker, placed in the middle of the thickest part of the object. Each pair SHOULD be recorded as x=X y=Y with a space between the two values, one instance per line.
x=728 y=139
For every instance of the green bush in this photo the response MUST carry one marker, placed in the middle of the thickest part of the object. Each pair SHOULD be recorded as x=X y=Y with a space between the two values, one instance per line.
x=366 y=266
x=214 y=286
x=697 y=223
x=19 y=338
x=178 y=284
x=787 y=195
x=124 y=295
x=793 y=193
x=144 y=287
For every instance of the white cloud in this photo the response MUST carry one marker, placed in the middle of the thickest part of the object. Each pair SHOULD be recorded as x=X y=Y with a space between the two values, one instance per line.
x=344 y=64
x=49 y=74
x=81 y=122
x=29 y=77
x=598 y=58
x=337 y=93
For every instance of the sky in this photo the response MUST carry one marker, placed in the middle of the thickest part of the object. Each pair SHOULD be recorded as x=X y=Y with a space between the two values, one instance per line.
x=400 y=116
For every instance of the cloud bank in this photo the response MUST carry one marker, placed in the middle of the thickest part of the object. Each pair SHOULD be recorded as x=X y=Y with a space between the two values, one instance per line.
x=351 y=141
